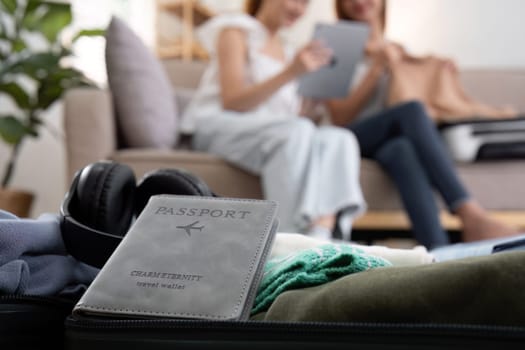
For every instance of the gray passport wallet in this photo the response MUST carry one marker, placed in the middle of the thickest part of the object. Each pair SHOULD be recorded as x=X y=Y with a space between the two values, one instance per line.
x=186 y=257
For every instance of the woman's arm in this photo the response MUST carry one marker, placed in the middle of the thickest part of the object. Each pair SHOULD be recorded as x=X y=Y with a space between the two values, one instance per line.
x=344 y=111
x=236 y=93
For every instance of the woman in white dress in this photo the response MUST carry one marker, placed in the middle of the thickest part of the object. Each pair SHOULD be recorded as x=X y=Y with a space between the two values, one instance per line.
x=248 y=112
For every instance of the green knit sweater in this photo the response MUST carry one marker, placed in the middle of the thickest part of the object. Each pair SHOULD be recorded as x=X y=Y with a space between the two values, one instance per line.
x=311 y=267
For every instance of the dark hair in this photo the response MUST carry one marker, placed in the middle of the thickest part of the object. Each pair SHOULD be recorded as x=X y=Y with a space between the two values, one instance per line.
x=252 y=6
x=340 y=12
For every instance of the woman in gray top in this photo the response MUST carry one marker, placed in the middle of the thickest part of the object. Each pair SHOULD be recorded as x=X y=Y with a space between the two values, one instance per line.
x=404 y=140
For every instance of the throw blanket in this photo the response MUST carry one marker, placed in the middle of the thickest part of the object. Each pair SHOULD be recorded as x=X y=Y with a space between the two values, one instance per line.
x=477 y=290
x=34 y=261
x=435 y=83
x=311 y=267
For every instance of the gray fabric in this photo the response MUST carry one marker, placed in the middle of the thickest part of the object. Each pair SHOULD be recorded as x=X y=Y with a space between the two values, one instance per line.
x=34 y=260
x=143 y=95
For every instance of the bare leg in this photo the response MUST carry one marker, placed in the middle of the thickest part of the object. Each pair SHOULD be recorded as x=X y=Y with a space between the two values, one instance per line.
x=478 y=225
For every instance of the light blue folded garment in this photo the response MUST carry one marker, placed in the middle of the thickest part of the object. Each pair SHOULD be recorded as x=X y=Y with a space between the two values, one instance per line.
x=479 y=248
x=34 y=260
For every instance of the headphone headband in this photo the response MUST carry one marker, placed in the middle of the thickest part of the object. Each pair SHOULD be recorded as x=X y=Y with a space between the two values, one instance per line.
x=83 y=238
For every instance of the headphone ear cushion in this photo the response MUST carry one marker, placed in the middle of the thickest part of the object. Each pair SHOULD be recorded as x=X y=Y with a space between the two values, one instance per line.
x=106 y=197
x=169 y=181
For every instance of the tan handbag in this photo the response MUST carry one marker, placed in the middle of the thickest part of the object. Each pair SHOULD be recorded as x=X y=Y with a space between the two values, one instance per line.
x=435 y=83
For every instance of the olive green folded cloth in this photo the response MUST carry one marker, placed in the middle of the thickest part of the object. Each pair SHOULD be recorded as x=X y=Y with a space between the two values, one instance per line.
x=476 y=290
x=311 y=267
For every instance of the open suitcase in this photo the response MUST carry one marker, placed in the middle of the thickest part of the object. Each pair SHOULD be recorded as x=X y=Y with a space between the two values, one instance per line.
x=472 y=303
x=465 y=303
x=36 y=322
x=485 y=139
x=448 y=305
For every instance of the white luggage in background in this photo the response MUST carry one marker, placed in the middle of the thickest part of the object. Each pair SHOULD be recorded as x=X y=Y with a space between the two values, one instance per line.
x=485 y=139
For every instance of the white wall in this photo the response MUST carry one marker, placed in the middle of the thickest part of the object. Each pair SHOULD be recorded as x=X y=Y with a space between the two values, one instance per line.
x=318 y=11
x=478 y=33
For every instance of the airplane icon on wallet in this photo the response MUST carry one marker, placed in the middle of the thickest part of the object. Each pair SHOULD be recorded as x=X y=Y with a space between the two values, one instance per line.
x=190 y=227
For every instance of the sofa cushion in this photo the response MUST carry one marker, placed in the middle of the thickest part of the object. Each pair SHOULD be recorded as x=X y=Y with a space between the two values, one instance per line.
x=496 y=185
x=142 y=93
x=223 y=178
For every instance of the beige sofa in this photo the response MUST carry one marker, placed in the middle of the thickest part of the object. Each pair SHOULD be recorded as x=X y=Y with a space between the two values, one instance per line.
x=91 y=135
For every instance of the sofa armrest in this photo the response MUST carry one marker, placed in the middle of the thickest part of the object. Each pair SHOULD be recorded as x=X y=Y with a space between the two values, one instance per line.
x=89 y=126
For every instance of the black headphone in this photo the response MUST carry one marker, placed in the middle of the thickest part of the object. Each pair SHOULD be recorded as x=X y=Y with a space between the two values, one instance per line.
x=103 y=200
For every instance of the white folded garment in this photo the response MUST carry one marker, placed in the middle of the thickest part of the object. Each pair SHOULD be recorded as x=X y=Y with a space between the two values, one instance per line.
x=291 y=243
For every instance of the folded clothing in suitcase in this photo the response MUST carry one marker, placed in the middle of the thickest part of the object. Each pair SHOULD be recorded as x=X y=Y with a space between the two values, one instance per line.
x=39 y=282
x=474 y=302
x=469 y=303
x=485 y=139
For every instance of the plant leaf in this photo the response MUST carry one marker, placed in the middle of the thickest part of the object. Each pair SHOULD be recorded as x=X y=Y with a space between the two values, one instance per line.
x=65 y=51
x=18 y=45
x=89 y=32
x=3 y=31
x=48 y=93
x=32 y=5
x=52 y=88
x=9 y=5
x=11 y=129
x=57 y=17
x=18 y=94
x=32 y=14
x=56 y=83
x=35 y=66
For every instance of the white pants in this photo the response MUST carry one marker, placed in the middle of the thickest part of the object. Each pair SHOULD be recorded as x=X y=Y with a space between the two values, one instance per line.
x=310 y=171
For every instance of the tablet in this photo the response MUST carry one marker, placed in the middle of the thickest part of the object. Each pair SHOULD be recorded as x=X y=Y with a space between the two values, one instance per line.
x=347 y=40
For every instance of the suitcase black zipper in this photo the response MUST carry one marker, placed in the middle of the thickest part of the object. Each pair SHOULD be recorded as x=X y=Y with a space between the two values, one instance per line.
x=304 y=335
x=36 y=300
x=32 y=321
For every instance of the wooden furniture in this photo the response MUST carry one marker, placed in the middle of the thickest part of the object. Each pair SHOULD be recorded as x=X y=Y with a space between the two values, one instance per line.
x=396 y=220
x=184 y=46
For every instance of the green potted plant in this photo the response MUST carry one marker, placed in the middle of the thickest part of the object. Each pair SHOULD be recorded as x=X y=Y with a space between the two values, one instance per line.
x=33 y=78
